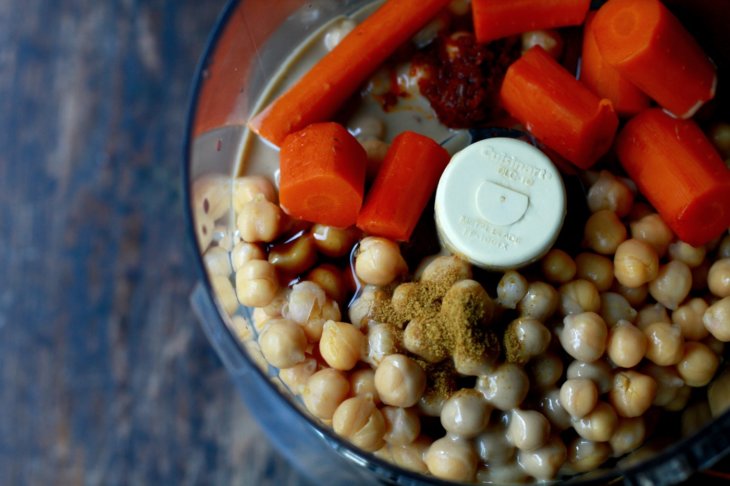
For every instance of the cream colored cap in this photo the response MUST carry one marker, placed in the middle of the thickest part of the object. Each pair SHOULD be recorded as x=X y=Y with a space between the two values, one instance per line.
x=500 y=204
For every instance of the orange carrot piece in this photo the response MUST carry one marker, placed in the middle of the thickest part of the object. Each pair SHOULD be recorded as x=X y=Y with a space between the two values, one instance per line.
x=606 y=81
x=678 y=170
x=494 y=19
x=405 y=182
x=650 y=47
x=557 y=109
x=318 y=95
x=322 y=175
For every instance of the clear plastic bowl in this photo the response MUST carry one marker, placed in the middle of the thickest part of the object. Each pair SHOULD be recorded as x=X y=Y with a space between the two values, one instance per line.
x=247 y=45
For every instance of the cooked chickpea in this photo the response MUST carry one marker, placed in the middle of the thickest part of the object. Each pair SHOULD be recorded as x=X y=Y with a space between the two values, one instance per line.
x=324 y=392
x=256 y=283
x=665 y=344
x=578 y=396
x=378 y=261
x=689 y=255
x=636 y=296
x=698 y=365
x=294 y=257
x=718 y=278
x=554 y=411
x=599 y=372
x=652 y=229
x=672 y=284
x=506 y=387
x=599 y=425
x=579 y=296
x=358 y=420
x=557 y=266
x=223 y=290
x=244 y=252
x=540 y=301
x=411 y=456
x=632 y=393
x=260 y=220
x=402 y=425
x=604 y=232
x=688 y=317
x=334 y=242
x=545 y=462
x=525 y=338
x=584 y=336
x=452 y=458
x=545 y=370
x=629 y=435
x=635 y=263
x=610 y=192
x=250 y=188
x=283 y=343
x=341 y=345
x=295 y=377
x=651 y=313
x=465 y=413
x=718 y=394
x=528 y=429
x=511 y=288
x=615 y=308
x=627 y=344
x=717 y=319
x=586 y=455
x=400 y=381
x=493 y=445
x=597 y=269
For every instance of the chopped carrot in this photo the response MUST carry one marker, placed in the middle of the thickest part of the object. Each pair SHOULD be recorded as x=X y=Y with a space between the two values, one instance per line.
x=322 y=175
x=494 y=19
x=678 y=170
x=318 y=95
x=606 y=81
x=650 y=47
x=405 y=182
x=557 y=109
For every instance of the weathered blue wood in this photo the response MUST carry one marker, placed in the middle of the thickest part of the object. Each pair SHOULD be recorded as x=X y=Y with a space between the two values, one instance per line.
x=105 y=375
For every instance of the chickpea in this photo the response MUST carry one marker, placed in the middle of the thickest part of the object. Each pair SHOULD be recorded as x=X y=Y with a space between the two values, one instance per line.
x=528 y=429
x=260 y=220
x=283 y=343
x=545 y=462
x=411 y=456
x=718 y=394
x=698 y=365
x=599 y=372
x=689 y=255
x=506 y=387
x=244 y=252
x=615 y=308
x=599 y=425
x=718 y=279
x=652 y=229
x=545 y=370
x=294 y=257
x=586 y=455
x=651 y=313
x=223 y=290
x=629 y=435
x=584 y=336
x=610 y=192
x=402 y=425
x=525 y=338
x=550 y=405
x=324 y=392
x=636 y=296
x=251 y=188
x=579 y=296
x=400 y=381
x=604 y=232
x=668 y=382
x=558 y=266
x=665 y=343
x=256 y=283
x=296 y=377
x=540 y=302
x=578 y=396
x=635 y=263
x=597 y=269
x=334 y=242
x=493 y=446
x=688 y=318
x=627 y=344
x=358 y=420
x=632 y=393
x=341 y=345
x=378 y=261
x=452 y=458
x=672 y=284
x=511 y=289
x=717 y=319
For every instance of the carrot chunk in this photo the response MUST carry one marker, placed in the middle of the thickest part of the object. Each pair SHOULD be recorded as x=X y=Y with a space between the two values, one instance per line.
x=322 y=175
x=650 y=47
x=604 y=80
x=494 y=19
x=558 y=109
x=678 y=170
x=318 y=95
x=405 y=182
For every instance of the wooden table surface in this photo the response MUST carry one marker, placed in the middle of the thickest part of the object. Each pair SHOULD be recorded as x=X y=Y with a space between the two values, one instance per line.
x=105 y=374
